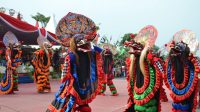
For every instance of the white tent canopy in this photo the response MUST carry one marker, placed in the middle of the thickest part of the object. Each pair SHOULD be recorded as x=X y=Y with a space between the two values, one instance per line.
x=51 y=25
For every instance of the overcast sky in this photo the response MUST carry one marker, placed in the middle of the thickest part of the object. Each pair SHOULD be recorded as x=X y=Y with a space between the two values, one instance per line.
x=117 y=17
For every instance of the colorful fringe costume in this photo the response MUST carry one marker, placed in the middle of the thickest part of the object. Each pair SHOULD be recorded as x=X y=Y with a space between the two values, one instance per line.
x=144 y=74
x=182 y=70
x=9 y=84
x=42 y=63
x=82 y=72
x=163 y=95
x=108 y=77
x=199 y=90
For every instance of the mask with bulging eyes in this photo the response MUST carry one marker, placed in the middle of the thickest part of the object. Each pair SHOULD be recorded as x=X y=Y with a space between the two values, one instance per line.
x=107 y=52
x=82 y=42
x=135 y=47
x=47 y=45
x=15 y=46
x=179 y=48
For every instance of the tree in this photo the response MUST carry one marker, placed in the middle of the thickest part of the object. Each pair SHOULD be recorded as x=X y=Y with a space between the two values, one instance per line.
x=41 y=18
x=156 y=48
x=126 y=37
x=97 y=28
x=122 y=50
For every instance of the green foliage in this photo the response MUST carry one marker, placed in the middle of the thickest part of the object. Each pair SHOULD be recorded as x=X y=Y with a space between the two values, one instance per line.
x=41 y=18
x=104 y=39
x=55 y=75
x=97 y=28
x=1 y=75
x=30 y=72
x=155 y=48
x=126 y=37
x=120 y=58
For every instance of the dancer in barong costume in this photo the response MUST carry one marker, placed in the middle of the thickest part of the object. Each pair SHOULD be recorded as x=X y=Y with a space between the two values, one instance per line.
x=108 y=64
x=41 y=62
x=144 y=74
x=9 y=82
x=182 y=69
x=82 y=72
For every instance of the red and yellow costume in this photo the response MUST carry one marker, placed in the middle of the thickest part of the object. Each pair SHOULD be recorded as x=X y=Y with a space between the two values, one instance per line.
x=42 y=63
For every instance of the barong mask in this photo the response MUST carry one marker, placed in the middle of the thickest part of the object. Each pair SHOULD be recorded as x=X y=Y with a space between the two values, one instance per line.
x=10 y=41
x=77 y=31
x=107 y=51
x=182 y=69
x=82 y=43
x=183 y=43
x=44 y=44
x=48 y=46
x=135 y=48
x=179 y=49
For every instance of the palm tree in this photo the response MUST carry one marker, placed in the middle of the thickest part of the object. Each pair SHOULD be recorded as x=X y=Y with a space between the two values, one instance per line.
x=41 y=18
